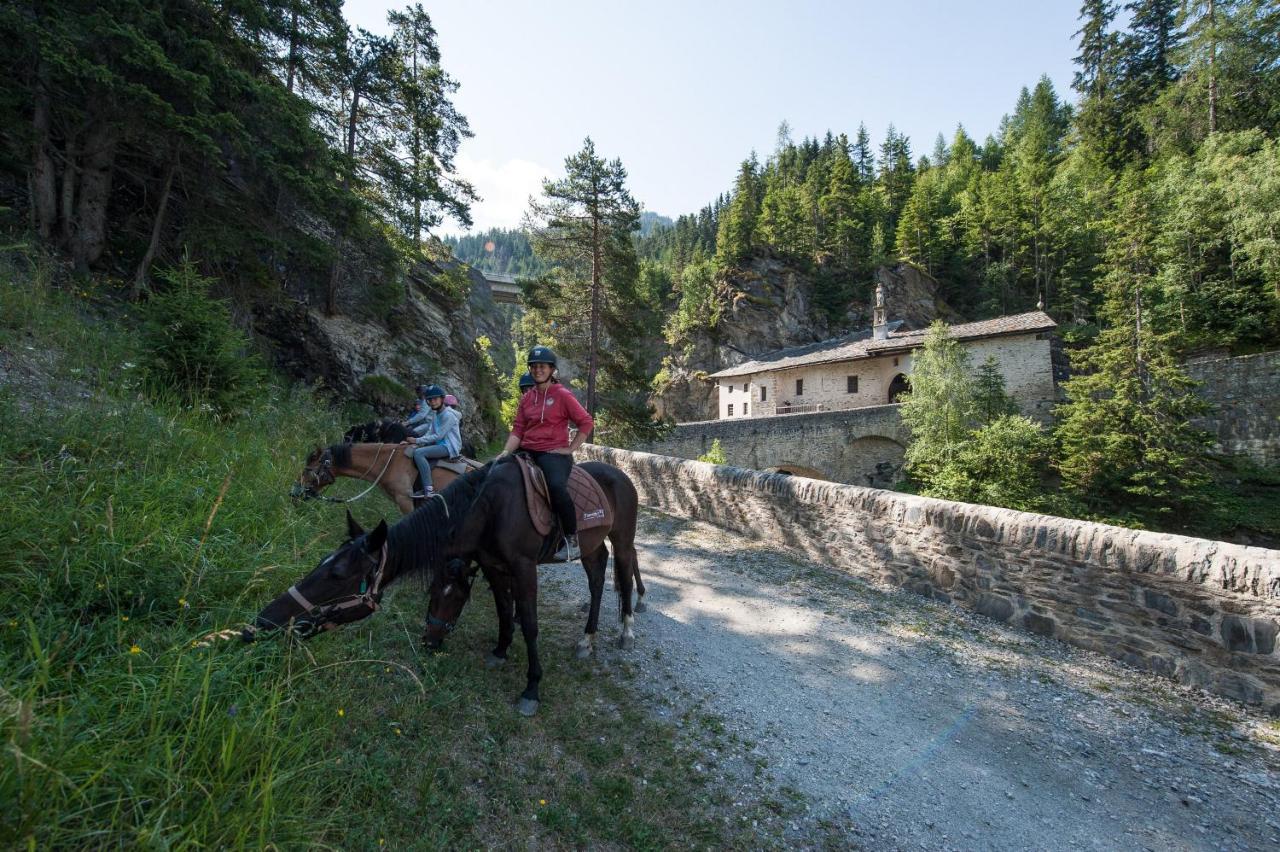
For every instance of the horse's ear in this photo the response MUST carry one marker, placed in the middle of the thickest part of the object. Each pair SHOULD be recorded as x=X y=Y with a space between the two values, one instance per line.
x=354 y=530
x=377 y=538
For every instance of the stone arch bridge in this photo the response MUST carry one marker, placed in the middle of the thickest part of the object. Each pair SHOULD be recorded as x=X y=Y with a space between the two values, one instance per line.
x=861 y=446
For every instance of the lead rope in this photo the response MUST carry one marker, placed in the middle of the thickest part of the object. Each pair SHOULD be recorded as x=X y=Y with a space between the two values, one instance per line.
x=374 y=484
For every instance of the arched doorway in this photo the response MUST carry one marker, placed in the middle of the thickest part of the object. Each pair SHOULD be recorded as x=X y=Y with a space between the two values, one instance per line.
x=898 y=387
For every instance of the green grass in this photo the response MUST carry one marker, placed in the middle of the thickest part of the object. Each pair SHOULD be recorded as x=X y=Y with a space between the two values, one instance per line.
x=130 y=530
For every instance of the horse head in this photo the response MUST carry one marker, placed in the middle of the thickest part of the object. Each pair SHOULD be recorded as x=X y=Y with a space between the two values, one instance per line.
x=346 y=586
x=450 y=591
x=317 y=474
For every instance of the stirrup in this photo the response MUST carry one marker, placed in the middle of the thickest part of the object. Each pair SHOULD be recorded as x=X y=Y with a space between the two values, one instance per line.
x=569 y=550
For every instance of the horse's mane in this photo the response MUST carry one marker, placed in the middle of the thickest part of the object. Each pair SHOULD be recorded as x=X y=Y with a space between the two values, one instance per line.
x=420 y=539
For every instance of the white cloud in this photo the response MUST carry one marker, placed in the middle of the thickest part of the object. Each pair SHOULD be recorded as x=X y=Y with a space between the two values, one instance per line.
x=503 y=187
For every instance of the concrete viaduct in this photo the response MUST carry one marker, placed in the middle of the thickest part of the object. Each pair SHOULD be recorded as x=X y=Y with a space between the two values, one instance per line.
x=861 y=446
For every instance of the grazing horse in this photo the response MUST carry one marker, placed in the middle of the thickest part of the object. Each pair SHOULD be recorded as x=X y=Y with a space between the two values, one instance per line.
x=385 y=464
x=376 y=432
x=481 y=516
x=348 y=584
x=499 y=536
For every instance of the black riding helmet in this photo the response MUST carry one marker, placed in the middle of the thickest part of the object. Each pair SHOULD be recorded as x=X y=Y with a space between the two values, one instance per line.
x=431 y=391
x=541 y=355
x=526 y=382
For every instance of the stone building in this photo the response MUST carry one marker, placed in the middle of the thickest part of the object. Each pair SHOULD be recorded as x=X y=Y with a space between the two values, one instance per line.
x=873 y=366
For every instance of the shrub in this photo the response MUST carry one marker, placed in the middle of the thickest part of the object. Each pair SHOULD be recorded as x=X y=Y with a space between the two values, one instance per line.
x=191 y=348
x=1002 y=464
x=715 y=455
x=383 y=392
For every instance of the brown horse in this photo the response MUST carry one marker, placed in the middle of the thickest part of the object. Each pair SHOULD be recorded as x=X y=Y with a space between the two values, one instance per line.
x=498 y=536
x=383 y=464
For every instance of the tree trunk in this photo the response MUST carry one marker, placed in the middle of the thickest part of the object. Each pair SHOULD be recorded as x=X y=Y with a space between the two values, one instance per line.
x=593 y=362
x=95 y=192
x=335 y=272
x=1213 y=80
x=339 y=241
x=293 y=48
x=157 y=228
x=44 y=178
x=70 y=176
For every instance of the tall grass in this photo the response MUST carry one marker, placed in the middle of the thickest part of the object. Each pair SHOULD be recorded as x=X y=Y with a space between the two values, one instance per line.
x=130 y=529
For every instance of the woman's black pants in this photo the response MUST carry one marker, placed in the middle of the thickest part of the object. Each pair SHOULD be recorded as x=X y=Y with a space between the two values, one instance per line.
x=556 y=467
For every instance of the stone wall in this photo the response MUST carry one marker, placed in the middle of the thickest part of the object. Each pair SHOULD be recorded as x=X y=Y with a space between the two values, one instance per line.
x=1246 y=391
x=861 y=445
x=1202 y=612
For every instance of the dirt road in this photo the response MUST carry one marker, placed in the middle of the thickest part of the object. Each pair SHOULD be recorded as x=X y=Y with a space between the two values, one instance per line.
x=901 y=723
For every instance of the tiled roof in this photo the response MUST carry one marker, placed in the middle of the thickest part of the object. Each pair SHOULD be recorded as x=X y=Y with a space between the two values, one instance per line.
x=860 y=345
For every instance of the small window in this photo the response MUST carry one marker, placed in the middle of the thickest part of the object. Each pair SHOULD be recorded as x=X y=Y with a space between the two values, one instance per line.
x=851 y=384
x=731 y=409
x=746 y=408
x=895 y=362
x=764 y=393
x=799 y=387
x=744 y=387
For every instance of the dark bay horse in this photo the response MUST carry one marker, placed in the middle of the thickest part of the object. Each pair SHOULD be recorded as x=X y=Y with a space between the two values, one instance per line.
x=348 y=584
x=385 y=464
x=498 y=536
x=376 y=432
x=481 y=517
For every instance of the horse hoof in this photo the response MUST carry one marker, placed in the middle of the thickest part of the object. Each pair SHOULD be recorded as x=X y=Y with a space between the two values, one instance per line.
x=493 y=661
x=527 y=707
x=626 y=643
x=640 y=606
x=583 y=650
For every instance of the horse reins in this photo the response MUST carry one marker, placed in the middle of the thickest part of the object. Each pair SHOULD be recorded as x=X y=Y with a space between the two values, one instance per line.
x=373 y=485
x=369 y=596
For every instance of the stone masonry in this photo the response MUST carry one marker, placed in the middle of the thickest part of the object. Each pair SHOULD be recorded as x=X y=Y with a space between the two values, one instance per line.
x=1202 y=612
x=860 y=445
x=1246 y=392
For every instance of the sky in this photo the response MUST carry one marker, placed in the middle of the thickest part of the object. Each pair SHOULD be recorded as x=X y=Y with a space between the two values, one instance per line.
x=682 y=92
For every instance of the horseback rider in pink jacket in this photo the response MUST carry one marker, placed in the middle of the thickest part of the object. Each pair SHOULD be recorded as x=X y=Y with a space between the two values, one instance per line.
x=541 y=429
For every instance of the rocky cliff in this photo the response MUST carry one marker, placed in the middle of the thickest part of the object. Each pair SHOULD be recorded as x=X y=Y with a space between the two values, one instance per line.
x=426 y=330
x=768 y=305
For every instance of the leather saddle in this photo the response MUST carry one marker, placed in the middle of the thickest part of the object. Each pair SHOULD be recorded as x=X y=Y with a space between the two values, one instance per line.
x=589 y=500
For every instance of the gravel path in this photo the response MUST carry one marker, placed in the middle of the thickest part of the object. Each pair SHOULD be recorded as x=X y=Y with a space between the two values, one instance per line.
x=898 y=722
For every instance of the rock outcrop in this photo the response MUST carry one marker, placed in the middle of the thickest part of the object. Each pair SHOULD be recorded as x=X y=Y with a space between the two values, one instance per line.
x=427 y=334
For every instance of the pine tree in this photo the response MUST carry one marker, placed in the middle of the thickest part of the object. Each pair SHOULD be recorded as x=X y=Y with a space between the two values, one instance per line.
x=738 y=223
x=1128 y=445
x=582 y=227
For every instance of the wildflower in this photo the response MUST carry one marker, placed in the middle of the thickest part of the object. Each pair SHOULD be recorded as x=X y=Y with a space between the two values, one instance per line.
x=182 y=602
x=341 y=712
x=542 y=802
x=13 y=623
x=124 y=618
x=399 y=732
x=134 y=649
x=233 y=710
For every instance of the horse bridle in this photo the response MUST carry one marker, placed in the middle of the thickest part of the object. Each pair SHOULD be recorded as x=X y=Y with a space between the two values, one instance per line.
x=319 y=615
x=470 y=580
x=312 y=491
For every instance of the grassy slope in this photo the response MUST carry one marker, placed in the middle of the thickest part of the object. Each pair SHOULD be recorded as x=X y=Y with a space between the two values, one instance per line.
x=130 y=530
